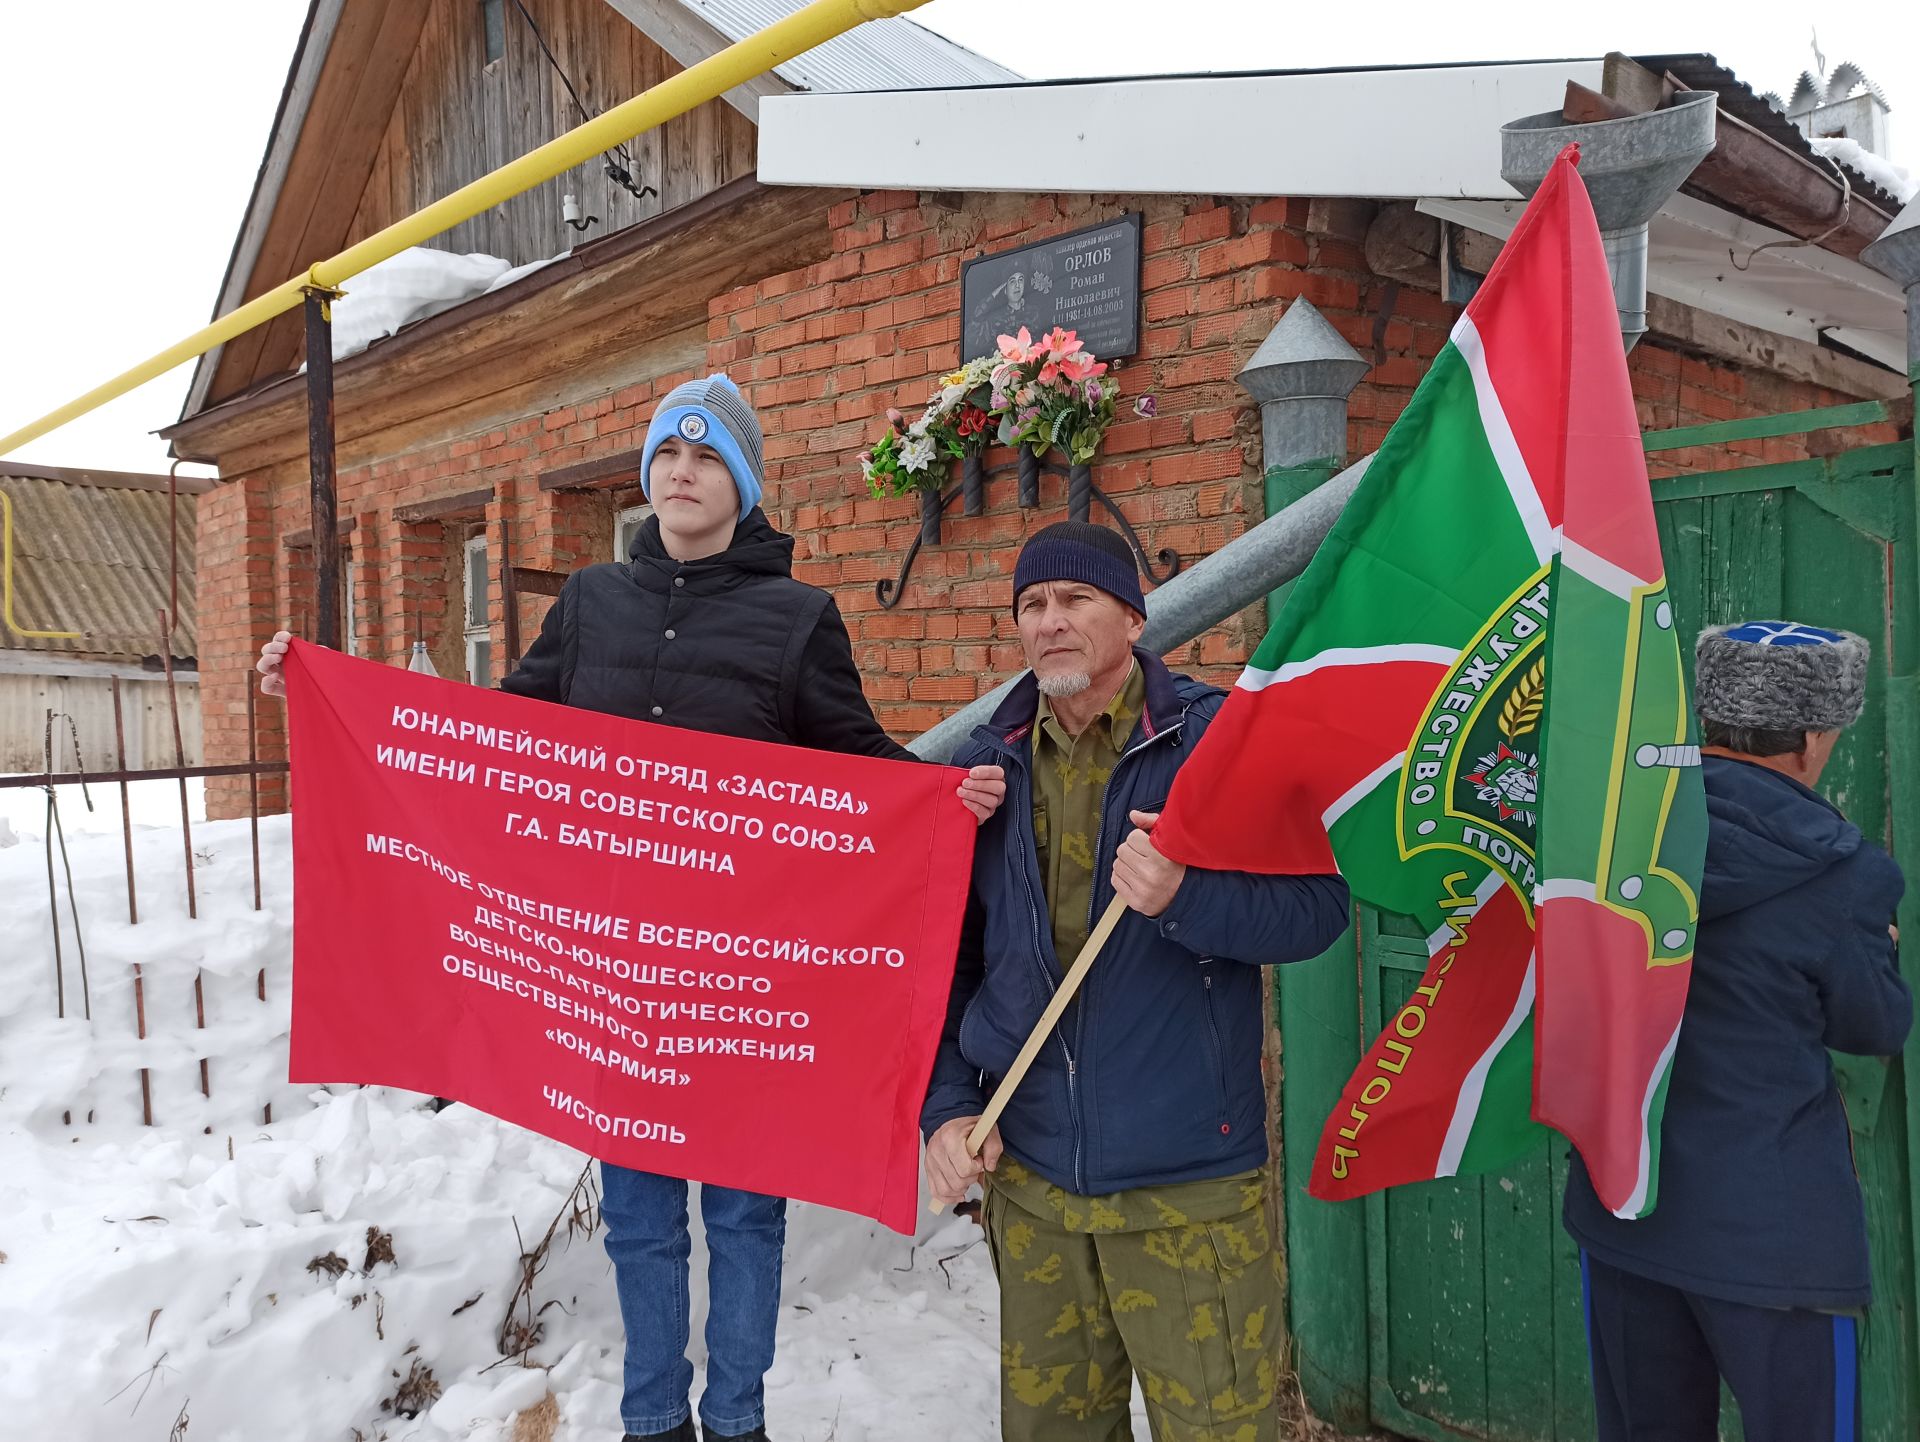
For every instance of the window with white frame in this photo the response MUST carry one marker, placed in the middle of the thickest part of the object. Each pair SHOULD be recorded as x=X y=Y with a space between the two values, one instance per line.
x=626 y=525
x=478 y=594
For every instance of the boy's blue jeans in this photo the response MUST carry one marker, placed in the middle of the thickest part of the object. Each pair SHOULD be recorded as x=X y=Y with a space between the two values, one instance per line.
x=646 y=1236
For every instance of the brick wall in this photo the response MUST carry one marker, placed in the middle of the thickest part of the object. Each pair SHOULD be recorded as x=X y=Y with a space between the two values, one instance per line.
x=236 y=602
x=823 y=352
x=1672 y=390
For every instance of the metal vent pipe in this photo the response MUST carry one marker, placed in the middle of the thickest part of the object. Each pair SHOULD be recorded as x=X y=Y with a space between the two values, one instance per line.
x=1896 y=255
x=1631 y=167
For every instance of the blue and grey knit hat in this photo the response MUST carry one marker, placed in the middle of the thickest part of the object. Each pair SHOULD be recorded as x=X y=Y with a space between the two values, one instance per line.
x=1780 y=676
x=711 y=412
x=1079 y=551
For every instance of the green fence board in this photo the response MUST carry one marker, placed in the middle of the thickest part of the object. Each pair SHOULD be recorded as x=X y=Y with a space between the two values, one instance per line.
x=1787 y=423
x=1518 y=1222
x=1473 y=1314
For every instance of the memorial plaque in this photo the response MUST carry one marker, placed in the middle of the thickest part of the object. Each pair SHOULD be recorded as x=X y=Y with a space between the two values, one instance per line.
x=1088 y=282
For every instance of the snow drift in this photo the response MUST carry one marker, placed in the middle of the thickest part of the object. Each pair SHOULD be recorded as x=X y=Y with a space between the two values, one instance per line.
x=350 y=1268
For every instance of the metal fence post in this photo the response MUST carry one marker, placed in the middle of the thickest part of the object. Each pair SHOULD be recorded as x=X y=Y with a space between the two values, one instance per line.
x=1302 y=376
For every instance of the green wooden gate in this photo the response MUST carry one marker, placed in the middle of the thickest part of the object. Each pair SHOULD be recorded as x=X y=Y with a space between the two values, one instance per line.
x=1452 y=1309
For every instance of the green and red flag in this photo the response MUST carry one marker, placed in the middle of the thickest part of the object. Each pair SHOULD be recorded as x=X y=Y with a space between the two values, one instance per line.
x=1473 y=707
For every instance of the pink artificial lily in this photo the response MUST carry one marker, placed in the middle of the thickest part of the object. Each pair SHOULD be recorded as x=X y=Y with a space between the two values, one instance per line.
x=1017 y=348
x=1082 y=367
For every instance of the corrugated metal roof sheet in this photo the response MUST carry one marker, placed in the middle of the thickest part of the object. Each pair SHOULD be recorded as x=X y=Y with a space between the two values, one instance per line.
x=1737 y=98
x=890 y=54
x=94 y=559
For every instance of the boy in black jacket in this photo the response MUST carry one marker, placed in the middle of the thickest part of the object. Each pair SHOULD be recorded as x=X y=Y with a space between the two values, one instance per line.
x=703 y=627
x=1753 y=1264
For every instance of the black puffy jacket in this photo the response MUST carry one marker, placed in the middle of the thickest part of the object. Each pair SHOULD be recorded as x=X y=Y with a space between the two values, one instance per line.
x=729 y=644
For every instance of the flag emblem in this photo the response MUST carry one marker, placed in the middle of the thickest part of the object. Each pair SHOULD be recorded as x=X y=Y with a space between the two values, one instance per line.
x=1473 y=708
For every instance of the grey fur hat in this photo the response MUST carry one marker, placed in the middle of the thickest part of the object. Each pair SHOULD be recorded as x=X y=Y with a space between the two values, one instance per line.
x=1780 y=676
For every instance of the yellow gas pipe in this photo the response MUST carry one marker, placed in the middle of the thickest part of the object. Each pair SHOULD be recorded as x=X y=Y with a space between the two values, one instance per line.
x=712 y=77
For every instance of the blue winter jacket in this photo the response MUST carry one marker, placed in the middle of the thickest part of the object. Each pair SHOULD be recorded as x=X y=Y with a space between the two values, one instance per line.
x=1758 y=1201
x=1153 y=1075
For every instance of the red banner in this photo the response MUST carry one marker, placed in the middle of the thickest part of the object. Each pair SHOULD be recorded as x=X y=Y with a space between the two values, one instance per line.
x=710 y=958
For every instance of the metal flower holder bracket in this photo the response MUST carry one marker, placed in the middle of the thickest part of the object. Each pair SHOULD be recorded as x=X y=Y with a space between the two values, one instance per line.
x=1028 y=465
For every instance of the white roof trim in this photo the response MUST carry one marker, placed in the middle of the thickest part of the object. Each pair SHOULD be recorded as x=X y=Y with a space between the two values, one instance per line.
x=1376 y=133
x=1798 y=290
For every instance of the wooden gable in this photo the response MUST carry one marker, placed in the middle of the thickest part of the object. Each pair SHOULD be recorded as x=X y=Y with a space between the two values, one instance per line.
x=392 y=104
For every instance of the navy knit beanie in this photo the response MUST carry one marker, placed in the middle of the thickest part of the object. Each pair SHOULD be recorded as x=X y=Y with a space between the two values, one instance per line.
x=710 y=412
x=1079 y=551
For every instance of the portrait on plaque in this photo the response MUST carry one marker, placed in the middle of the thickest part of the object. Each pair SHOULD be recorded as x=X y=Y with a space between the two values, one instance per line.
x=1087 y=281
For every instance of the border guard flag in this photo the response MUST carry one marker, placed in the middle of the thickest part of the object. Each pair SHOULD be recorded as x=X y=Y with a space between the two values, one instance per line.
x=1473 y=707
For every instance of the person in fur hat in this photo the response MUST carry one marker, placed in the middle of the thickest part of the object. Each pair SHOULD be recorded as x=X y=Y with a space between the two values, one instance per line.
x=1753 y=1266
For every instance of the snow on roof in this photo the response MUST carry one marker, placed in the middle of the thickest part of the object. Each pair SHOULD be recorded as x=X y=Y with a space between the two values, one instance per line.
x=402 y=289
x=1737 y=98
x=1896 y=180
x=893 y=54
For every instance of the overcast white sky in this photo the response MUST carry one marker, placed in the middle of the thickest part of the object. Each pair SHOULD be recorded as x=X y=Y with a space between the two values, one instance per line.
x=130 y=133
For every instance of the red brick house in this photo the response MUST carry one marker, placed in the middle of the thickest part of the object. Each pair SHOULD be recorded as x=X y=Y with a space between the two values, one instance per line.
x=811 y=243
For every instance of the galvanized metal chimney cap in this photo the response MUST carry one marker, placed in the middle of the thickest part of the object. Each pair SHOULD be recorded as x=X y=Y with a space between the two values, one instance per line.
x=1303 y=358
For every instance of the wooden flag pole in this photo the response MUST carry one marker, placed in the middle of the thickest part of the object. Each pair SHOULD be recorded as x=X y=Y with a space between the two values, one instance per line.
x=1049 y=1018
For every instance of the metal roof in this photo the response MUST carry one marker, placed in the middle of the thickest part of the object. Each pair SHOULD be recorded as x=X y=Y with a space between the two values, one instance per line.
x=93 y=558
x=1704 y=72
x=893 y=54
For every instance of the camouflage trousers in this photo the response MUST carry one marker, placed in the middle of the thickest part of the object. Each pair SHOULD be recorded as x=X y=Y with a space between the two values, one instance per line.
x=1179 y=1284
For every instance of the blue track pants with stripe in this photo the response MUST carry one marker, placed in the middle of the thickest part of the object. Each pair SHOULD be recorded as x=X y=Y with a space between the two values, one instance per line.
x=1658 y=1354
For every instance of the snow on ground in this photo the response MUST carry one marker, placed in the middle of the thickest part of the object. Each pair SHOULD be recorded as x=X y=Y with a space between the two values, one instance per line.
x=237 y=1272
x=23 y=809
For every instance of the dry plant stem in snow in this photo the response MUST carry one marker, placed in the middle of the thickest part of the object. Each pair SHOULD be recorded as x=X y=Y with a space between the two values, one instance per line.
x=520 y=1329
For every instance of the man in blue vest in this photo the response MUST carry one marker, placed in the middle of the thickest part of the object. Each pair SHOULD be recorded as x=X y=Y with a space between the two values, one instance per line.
x=1753 y=1264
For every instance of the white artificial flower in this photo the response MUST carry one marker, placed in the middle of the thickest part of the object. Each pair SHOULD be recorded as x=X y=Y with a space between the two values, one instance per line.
x=916 y=455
